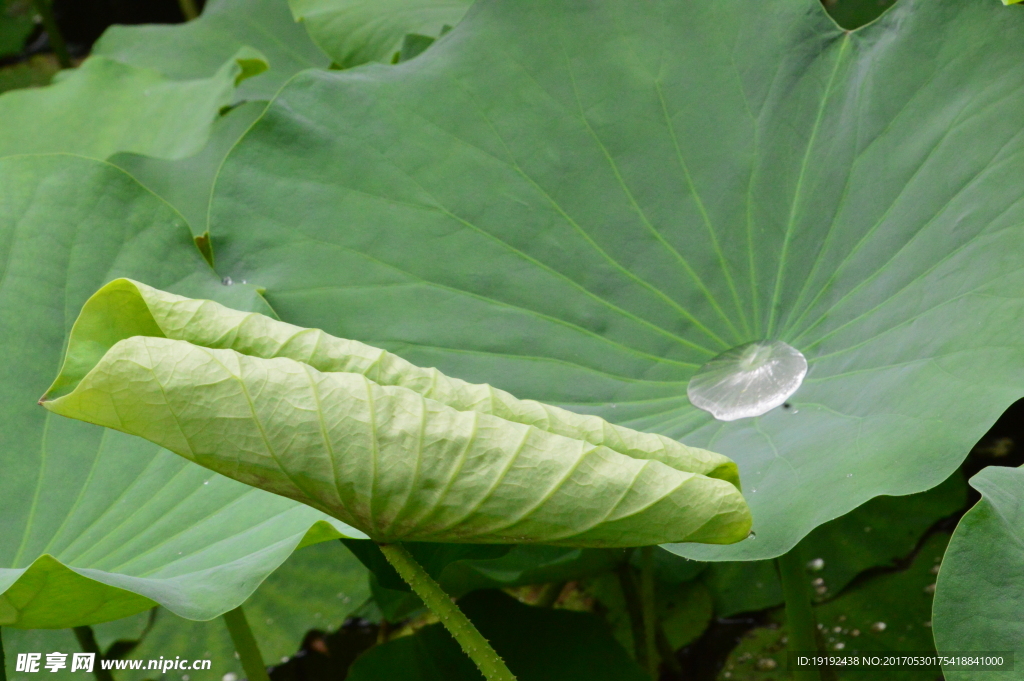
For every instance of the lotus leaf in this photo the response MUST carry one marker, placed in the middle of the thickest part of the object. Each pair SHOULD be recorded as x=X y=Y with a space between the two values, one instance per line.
x=196 y=49
x=584 y=202
x=403 y=453
x=354 y=32
x=979 y=595
x=98 y=525
x=105 y=106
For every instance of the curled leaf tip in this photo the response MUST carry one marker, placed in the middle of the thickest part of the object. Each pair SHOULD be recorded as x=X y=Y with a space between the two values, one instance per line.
x=403 y=453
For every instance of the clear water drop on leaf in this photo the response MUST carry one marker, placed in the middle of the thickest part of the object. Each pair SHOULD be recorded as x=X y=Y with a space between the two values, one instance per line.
x=748 y=380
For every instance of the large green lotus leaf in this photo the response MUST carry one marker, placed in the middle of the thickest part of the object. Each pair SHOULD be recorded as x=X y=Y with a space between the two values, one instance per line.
x=196 y=49
x=97 y=525
x=582 y=203
x=354 y=32
x=187 y=183
x=105 y=106
x=538 y=644
x=979 y=595
x=316 y=588
x=400 y=452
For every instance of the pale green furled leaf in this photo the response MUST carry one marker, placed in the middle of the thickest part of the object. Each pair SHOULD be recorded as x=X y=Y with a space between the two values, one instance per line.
x=98 y=525
x=104 y=107
x=196 y=49
x=400 y=452
x=355 y=32
x=187 y=183
x=538 y=644
x=979 y=597
x=584 y=202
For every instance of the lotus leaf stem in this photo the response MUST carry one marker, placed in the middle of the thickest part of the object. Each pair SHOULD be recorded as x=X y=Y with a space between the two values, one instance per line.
x=246 y=646
x=648 y=608
x=188 y=9
x=87 y=640
x=799 y=611
x=60 y=48
x=3 y=660
x=635 y=611
x=454 y=620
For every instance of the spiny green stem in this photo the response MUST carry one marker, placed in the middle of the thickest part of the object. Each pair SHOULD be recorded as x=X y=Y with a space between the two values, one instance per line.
x=3 y=660
x=799 y=611
x=635 y=611
x=87 y=639
x=245 y=645
x=458 y=625
x=60 y=48
x=647 y=605
x=188 y=9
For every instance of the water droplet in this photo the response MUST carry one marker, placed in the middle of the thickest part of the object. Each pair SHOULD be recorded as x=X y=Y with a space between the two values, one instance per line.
x=227 y=281
x=748 y=380
x=849 y=475
x=230 y=676
x=206 y=482
x=766 y=664
x=816 y=565
x=878 y=626
x=818 y=582
x=855 y=632
x=928 y=624
x=837 y=630
x=284 y=659
x=930 y=589
x=934 y=570
x=839 y=646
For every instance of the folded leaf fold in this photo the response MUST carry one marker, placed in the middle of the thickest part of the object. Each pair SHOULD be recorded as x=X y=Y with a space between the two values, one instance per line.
x=401 y=452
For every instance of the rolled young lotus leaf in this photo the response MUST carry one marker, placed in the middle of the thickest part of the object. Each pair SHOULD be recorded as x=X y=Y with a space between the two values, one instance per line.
x=401 y=452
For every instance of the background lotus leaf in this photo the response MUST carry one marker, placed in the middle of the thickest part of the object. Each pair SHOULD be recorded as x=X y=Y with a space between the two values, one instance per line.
x=99 y=525
x=196 y=49
x=583 y=203
x=354 y=32
x=105 y=106
x=979 y=596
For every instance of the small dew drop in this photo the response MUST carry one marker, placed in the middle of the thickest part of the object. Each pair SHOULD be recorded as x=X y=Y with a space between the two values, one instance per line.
x=230 y=676
x=839 y=646
x=837 y=630
x=284 y=659
x=206 y=482
x=227 y=281
x=928 y=624
x=855 y=632
x=766 y=664
x=184 y=677
x=816 y=565
x=878 y=627
x=930 y=589
x=934 y=570
x=849 y=475
x=748 y=380
x=818 y=582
